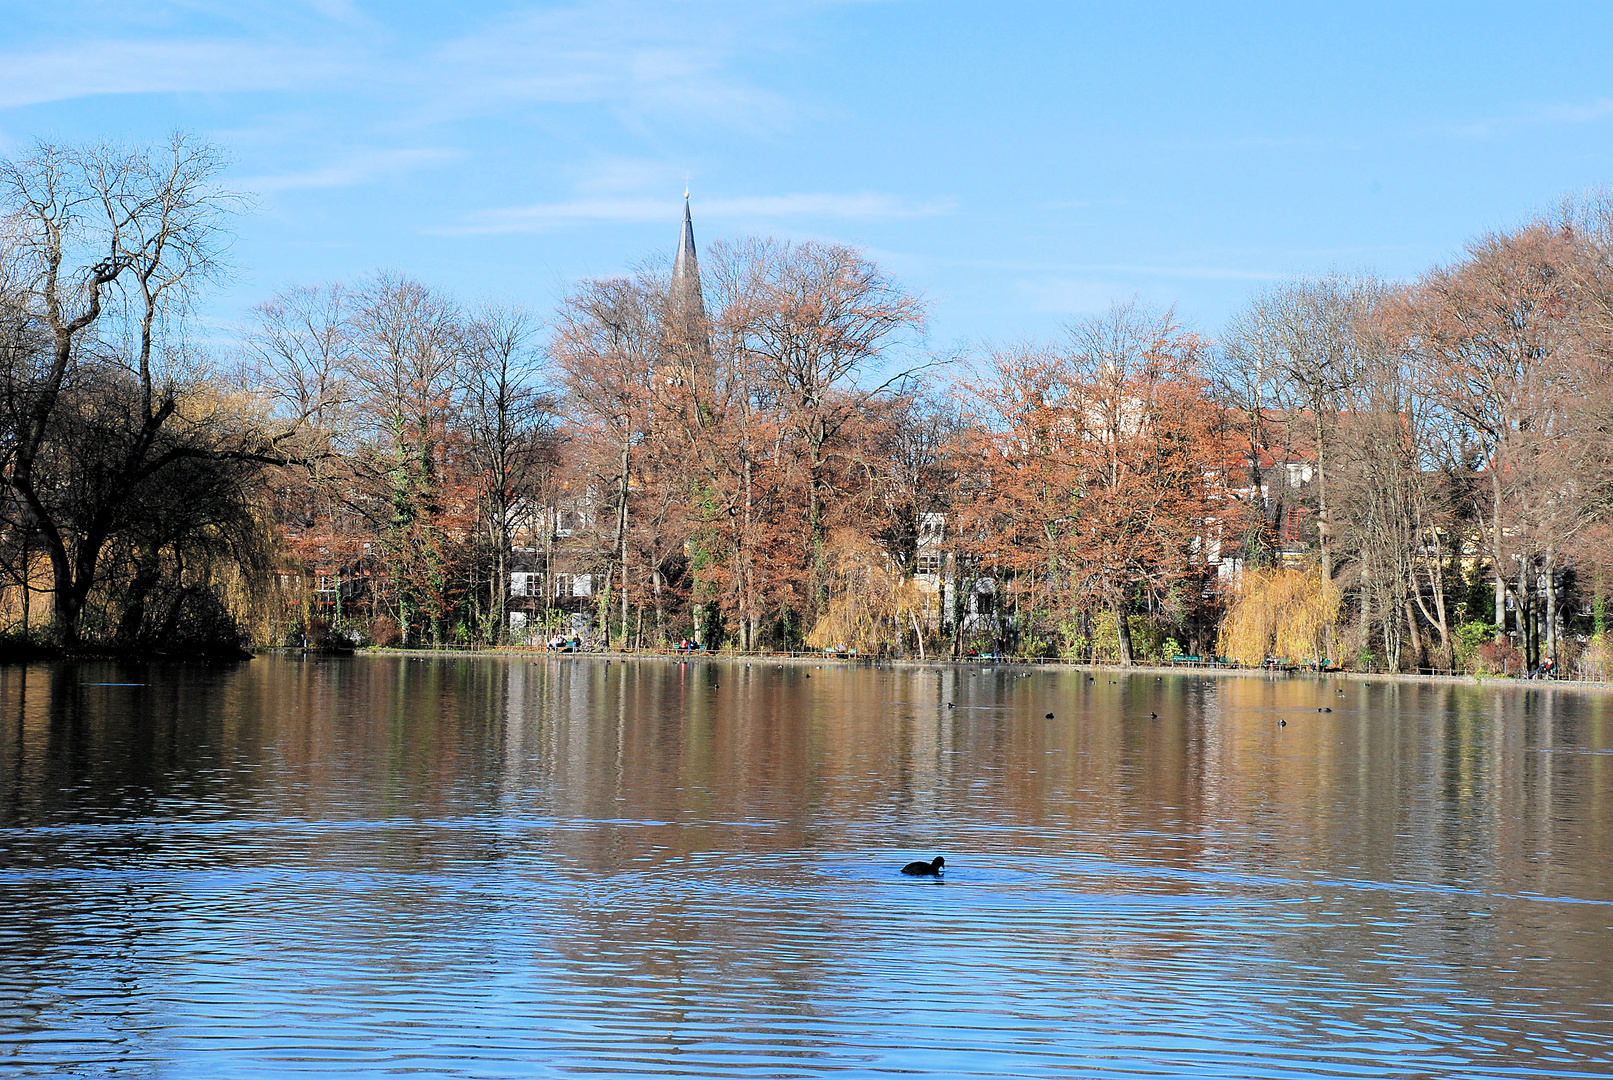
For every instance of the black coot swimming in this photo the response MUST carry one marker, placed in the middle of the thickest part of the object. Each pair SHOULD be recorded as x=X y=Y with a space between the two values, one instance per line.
x=925 y=869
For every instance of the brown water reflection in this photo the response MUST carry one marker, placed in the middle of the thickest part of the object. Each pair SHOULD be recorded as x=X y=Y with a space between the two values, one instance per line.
x=497 y=867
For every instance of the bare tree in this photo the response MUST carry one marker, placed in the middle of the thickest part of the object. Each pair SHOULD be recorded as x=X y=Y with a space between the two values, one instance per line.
x=408 y=346
x=1491 y=339
x=108 y=245
x=511 y=424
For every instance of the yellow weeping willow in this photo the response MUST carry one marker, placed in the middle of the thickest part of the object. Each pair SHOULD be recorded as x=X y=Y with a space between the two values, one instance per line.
x=872 y=605
x=1286 y=613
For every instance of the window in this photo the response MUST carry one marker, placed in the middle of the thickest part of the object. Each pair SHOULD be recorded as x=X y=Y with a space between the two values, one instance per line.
x=929 y=564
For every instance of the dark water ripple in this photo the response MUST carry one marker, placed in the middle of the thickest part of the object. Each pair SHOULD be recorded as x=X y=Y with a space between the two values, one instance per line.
x=493 y=868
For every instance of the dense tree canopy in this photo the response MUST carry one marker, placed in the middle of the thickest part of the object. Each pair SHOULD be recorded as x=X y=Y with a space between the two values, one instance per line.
x=769 y=455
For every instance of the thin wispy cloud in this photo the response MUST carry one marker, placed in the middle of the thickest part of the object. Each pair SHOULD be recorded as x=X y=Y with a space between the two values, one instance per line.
x=1198 y=273
x=152 y=67
x=353 y=168
x=625 y=210
x=1079 y=293
x=1551 y=114
x=1187 y=272
x=1062 y=296
x=1082 y=289
x=647 y=62
x=1245 y=143
x=1585 y=112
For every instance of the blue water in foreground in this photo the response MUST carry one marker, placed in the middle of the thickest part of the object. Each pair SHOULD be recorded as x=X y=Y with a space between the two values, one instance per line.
x=500 y=867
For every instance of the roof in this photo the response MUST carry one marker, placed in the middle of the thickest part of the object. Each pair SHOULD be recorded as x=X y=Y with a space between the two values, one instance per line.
x=686 y=298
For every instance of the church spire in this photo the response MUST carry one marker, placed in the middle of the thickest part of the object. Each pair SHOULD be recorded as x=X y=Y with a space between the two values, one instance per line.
x=688 y=302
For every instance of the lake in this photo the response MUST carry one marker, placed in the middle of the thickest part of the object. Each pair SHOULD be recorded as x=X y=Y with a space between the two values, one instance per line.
x=514 y=867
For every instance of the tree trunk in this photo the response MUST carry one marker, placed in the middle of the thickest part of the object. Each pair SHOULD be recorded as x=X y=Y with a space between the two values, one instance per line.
x=1447 y=649
x=1495 y=556
x=1419 y=642
x=1324 y=521
x=1123 y=628
x=660 y=609
x=28 y=535
x=1551 y=604
x=134 y=615
x=1526 y=622
x=815 y=538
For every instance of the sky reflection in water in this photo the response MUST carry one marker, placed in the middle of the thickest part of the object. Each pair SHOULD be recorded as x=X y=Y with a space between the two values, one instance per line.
x=504 y=868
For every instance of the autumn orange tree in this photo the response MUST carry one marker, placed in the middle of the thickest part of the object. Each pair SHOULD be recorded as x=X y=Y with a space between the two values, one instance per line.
x=1093 y=468
x=807 y=324
x=608 y=347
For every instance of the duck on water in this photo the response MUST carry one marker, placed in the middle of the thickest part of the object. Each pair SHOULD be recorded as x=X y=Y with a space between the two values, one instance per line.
x=925 y=869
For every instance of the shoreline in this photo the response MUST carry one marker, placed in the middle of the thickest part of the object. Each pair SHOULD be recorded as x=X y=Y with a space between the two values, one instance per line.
x=1028 y=665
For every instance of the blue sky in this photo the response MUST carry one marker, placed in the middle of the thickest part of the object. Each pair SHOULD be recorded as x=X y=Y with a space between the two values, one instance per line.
x=1019 y=164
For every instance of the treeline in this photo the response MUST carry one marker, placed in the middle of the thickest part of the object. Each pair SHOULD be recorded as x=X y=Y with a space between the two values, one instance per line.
x=763 y=453
x=1461 y=427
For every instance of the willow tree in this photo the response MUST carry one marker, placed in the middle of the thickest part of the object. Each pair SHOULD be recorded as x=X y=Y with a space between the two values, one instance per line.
x=1300 y=346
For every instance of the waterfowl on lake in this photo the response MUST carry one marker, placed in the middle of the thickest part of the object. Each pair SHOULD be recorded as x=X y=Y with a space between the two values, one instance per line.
x=1050 y=716
x=1282 y=723
x=925 y=869
x=1153 y=716
x=952 y=704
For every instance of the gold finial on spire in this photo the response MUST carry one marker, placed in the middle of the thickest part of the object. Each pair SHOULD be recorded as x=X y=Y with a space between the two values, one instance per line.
x=686 y=179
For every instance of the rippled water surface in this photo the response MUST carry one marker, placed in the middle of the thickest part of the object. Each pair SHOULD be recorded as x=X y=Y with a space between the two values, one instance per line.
x=500 y=867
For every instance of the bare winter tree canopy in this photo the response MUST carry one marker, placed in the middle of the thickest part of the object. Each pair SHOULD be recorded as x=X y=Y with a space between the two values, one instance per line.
x=119 y=464
x=755 y=448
